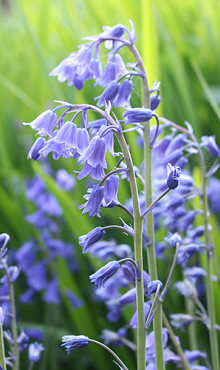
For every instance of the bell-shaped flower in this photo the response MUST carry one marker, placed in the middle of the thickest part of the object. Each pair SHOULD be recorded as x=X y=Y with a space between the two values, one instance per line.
x=109 y=94
x=34 y=351
x=137 y=115
x=104 y=273
x=111 y=190
x=128 y=297
x=44 y=123
x=154 y=101
x=87 y=241
x=173 y=176
x=94 y=201
x=67 y=134
x=211 y=146
x=95 y=153
x=172 y=239
x=124 y=94
x=36 y=147
x=97 y=173
x=71 y=342
x=152 y=286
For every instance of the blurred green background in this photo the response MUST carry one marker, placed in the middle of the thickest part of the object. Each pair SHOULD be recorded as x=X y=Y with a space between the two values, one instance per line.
x=179 y=42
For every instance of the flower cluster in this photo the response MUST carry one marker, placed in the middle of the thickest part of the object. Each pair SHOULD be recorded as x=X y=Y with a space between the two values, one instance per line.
x=124 y=280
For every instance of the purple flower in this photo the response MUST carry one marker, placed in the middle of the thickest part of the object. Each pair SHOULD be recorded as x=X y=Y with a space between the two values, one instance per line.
x=94 y=201
x=95 y=153
x=210 y=144
x=154 y=101
x=173 y=176
x=186 y=288
x=104 y=273
x=4 y=238
x=185 y=252
x=75 y=68
x=133 y=322
x=172 y=239
x=34 y=351
x=44 y=123
x=36 y=147
x=109 y=94
x=124 y=94
x=137 y=115
x=67 y=134
x=87 y=241
x=152 y=286
x=180 y=320
x=111 y=190
x=52 y=293
x=128 y=297
x=64 y=180
x=74 y=342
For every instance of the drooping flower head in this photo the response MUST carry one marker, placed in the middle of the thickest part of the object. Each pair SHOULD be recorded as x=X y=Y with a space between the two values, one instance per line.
x=71 y=342
x=173 y=176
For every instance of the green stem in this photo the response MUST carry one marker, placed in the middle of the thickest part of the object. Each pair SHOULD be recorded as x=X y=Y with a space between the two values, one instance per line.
x=13 y=318
x=110 y=351
x=2 y=348
x=175 y=343
x=138 y=222
x=157 y=322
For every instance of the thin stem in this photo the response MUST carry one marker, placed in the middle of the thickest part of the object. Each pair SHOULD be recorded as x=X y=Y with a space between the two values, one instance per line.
x=164 y=292
x=119 y=205
x=110 y=351
x=138 y=222
x=2 y=348
x=175 y=343
x=157 y=322
x=13 y=317
x=126 y=231
x=155 y=203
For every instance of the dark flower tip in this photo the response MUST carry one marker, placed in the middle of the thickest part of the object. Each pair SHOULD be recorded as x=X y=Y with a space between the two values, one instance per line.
x=173 y=176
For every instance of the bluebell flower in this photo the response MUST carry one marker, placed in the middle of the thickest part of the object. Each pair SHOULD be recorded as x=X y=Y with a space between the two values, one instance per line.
x=87 y=241
x=154 y=101
x=133 y=322
x=128 y=297
x=124 y=94
x=75 y=301
x=137 y=115
x=35 y=149
x=109 y=74
x=173 y=176
x=116 y=31
x=180 y=320
x=12 y=273
x=109 y=94
x=35 y=334
x=186 y=288
x=36 y=270
x=152 y=286
x=211 y=146
x=172 y=239
x=22 y=340
x=75 y=68
x=187 y=220
x=52 y=292
x=44 y=123
x=176 y=143
x=111 y=190
x=64 y=180
x=34 y=351
x=97 y=172
x=4 y=239
x=95 y=153
x=193 y=356
x=104 y=273
x=71 y=342
x=94 y=201
x=185 y=252
x=67 y=134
